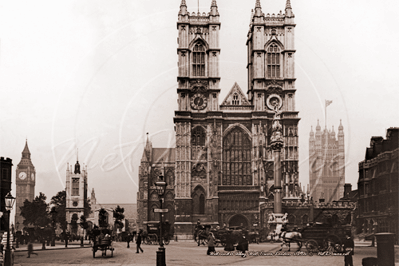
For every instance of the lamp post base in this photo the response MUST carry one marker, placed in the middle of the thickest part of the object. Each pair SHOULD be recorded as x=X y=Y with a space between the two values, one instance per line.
x=161 y=257
x=7 y=257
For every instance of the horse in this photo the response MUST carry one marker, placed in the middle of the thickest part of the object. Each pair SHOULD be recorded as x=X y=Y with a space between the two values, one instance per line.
x=289 y=237
x=201 y=236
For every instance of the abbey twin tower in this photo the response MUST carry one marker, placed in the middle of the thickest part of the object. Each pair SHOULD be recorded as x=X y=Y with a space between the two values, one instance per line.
x=221 y=170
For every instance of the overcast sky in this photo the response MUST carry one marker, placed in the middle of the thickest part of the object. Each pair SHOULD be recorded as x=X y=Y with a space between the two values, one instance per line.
x=97 y=75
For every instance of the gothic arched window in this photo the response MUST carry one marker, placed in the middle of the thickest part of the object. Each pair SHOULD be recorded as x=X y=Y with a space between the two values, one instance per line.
x=199 y=60
x=236 y=100
x=236 y=158
x=273 y=61
x=198 y=137
x=199 y=201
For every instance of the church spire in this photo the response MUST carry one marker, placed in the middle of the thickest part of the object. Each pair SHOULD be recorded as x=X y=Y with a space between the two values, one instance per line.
x=26 y=152
x=257 y=4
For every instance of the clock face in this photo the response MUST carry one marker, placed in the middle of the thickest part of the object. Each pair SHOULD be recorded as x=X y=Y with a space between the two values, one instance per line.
x=32 y=176
x=22 y=175
x=198 y=101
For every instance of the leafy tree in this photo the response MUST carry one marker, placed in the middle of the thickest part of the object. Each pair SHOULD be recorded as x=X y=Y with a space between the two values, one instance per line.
x=59 y=203
x=102 y=218
x=83 y=222
x=119 y=216
x=36 y=213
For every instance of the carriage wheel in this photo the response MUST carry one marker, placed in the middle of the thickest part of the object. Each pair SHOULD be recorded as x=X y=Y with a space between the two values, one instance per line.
x=312 y=246
x=332 y=243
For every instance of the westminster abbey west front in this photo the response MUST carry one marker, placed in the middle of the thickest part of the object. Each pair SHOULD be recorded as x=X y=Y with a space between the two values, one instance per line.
x=221 y=170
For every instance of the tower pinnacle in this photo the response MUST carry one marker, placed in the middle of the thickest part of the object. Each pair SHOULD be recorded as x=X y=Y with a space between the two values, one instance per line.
x=214 y=8
x=288 y=9
x=183 y=8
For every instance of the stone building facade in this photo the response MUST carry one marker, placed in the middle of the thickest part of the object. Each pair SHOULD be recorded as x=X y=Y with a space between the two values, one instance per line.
x=76 y=195
x=326 y=164
x=221 y=170
x=25 y=185
x=378 y=186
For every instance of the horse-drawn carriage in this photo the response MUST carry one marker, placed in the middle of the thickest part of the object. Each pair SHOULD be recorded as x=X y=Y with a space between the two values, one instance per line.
x=316 y=237
x=102 y=241
x=324 y=237
x=151 y=236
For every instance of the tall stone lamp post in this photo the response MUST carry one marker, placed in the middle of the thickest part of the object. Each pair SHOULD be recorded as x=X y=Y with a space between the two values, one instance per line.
x=9 y=204
x=161 y=187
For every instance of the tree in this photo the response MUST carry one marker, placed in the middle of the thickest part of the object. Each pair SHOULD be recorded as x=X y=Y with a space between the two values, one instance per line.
x=102 y=218
x=83 y=222
x=119 y=216
x=36 y=213
x=59 y=202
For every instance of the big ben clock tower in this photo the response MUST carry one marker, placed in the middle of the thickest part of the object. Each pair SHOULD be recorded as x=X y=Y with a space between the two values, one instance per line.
x=25 y=182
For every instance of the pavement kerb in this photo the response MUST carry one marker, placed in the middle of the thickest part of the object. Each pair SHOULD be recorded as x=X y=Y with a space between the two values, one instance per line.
x=54 y=248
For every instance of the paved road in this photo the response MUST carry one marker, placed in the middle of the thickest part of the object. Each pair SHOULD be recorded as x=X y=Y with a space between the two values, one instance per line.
x=184 y=253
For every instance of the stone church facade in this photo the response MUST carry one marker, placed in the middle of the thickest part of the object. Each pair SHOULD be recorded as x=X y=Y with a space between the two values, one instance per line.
x=221 y=170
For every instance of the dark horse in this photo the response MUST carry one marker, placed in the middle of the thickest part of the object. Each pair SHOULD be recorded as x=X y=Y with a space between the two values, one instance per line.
x=289 y=237
x=200 y=236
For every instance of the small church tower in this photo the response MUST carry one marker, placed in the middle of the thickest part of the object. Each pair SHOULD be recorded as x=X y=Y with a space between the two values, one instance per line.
x=76 y=195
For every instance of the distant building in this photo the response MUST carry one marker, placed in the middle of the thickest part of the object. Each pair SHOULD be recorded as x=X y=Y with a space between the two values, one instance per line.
x=5 y=187
x=130 y=212
x=76 y=196
x=378 y=185
x=326 y=164
x=25 y=185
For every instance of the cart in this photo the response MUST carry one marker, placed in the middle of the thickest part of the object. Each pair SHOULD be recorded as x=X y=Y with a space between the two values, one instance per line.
x=102 y=241
x=152 y=235
x=323 y=237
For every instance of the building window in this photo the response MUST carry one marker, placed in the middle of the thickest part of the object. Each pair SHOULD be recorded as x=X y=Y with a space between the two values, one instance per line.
x=75 y=187
x=198 y=137
x=236 y=158
x=273 y=61
x=199 y=60
x=199 y=201
x=236 y=100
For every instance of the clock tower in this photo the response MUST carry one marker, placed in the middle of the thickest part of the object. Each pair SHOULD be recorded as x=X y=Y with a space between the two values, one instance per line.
x=25 y=184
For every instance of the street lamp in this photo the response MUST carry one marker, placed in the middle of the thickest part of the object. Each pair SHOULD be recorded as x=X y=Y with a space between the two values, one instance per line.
x=9 y=200
x=160 y=187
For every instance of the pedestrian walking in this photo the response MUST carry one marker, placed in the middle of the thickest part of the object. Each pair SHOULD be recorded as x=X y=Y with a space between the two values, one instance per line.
x=30 y=249
x=349 y=247
x=243 y=245
x=211 y=244
x=138 y=241
x=129 y=238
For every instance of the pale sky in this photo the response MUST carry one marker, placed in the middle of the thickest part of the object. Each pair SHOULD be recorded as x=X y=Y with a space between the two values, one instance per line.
x=97 y=75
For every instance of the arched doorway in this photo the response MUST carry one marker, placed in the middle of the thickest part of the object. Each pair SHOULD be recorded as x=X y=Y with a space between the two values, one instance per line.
x=238 y=220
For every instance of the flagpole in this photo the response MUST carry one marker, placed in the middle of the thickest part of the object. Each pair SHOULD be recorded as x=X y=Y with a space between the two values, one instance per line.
x=325 y=114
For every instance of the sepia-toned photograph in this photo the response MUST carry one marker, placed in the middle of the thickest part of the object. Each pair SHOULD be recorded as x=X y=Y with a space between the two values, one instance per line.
x=199 y=132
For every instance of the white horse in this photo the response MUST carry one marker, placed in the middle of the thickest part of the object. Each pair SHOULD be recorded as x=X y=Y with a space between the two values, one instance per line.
x=289 y=237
